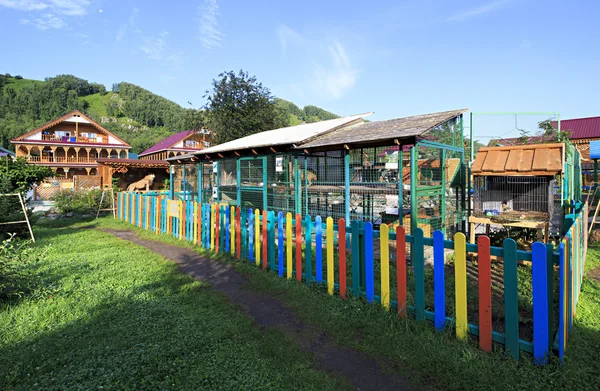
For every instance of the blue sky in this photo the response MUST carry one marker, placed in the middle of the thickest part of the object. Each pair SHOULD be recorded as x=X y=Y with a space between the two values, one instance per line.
x=395 y=58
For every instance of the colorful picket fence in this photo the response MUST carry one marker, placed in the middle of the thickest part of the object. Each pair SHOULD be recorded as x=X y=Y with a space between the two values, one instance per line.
x=283 y=243
x=573 y=251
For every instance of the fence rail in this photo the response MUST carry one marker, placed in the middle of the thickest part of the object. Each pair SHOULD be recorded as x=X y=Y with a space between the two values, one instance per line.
x=388 y=267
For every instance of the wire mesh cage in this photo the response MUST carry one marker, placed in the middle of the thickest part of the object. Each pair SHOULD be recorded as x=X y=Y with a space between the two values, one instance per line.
x=280 y=185
x=374 y=178
x=321 y=177
x=514 y=198
x=252 y=182
x=227 y=181
x=208 y=181
x=439 y=190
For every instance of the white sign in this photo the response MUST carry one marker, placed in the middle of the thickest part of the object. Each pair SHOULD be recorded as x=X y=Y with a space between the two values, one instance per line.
x=215 y=167
x=279 y=164
x=214 y=192
x=173 y=208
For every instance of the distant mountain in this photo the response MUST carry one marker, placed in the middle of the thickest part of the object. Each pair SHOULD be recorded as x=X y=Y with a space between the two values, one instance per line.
x=135 y=114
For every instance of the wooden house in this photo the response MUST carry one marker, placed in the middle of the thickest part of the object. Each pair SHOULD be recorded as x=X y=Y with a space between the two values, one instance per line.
x=181 y=143
x=70 y=145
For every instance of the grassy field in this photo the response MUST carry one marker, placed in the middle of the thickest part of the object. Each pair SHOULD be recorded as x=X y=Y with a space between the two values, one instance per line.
x=138 y=315
x=113 y=315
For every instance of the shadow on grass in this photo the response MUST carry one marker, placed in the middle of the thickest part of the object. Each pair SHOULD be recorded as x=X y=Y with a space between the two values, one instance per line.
x=165 y=334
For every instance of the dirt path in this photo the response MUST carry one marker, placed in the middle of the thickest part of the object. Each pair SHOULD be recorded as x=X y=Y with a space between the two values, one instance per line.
x=362 y=371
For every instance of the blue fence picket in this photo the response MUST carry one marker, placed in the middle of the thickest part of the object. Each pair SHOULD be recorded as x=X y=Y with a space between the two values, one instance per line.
x=540 y=303
x=439 y=290
x=271 y=240
x=243 y=231
x=227 y=227
x=250 y=235
x=369 y=267
x=318 y=250
x=308 y=249
x=280 y=244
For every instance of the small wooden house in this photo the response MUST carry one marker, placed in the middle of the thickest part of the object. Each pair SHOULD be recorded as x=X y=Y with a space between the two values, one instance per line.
x=518 y=186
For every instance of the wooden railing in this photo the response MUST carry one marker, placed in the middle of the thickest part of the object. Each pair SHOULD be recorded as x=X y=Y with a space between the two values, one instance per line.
x=96 y=140
x=45 y=159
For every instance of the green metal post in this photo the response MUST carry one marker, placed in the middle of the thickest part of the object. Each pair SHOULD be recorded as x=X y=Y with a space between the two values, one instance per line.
x=297 y=192
x=595 y=173
x=171 y=184
x=347 y=185
x=183 y=182
x=264 y=161
x=306 y=184
x=238 y=188
x=218 y=182
x=199 y=182
x=443 y=206
x=414 y=215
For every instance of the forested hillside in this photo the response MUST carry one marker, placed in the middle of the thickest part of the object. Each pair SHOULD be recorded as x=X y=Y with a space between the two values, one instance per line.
x=137 y=115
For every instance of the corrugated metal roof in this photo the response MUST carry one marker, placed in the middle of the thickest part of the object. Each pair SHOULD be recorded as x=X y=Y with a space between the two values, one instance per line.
x=284 y=136
x=166 y=143
x=595 y=149
x=580 y=127
x=521 y=160
x=384 y=130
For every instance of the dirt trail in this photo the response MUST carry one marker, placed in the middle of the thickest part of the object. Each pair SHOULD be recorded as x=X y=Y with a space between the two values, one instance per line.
x=362 y=371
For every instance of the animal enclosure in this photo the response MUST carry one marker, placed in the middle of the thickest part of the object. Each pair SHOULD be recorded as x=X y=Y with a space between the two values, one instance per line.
x=415 y=179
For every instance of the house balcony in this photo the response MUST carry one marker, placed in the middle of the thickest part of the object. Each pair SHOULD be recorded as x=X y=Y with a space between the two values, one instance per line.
x=74 y=140
x=47 y=159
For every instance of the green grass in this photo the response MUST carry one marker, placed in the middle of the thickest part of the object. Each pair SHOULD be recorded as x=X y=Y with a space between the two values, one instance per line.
x=19 y=84
x=110 y=314
x=97 y=103
x=422 y=354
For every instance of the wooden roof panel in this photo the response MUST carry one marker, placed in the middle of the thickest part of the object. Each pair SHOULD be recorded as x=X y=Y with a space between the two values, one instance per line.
x=536 y=159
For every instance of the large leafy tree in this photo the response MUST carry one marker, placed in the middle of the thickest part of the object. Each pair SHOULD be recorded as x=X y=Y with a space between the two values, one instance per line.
x=238 y=106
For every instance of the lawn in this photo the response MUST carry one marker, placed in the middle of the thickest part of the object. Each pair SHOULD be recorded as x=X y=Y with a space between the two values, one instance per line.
x=116 y=315
x=112 y=315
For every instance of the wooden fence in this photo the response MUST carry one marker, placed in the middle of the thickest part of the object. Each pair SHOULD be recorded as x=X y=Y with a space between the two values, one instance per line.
x=356 y=260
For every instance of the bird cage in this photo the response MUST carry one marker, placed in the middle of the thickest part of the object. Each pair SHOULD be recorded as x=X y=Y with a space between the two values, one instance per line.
x=514 y=198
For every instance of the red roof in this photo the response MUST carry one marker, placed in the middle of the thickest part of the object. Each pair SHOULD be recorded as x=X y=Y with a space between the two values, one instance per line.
x=61 y=119
x=169 y=142
x=580 y=127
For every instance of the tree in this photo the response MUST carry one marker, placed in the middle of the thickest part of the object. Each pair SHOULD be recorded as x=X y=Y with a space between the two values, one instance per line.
x=238 y=106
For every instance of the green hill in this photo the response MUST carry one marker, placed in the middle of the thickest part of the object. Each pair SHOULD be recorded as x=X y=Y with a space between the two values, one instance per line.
x=135 y=114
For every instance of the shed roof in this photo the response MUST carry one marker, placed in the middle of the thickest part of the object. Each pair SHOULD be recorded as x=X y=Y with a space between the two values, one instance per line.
x=519 y=160
x=580 y=127
x=285 y=136
x=133 y=163
x=378 y=131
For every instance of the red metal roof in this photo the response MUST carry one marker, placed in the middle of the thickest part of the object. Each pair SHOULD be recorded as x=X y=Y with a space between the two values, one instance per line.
x=169 y=142
x=580 y=127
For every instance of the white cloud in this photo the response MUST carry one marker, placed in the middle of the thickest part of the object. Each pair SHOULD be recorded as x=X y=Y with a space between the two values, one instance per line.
x=155 y=47
x=53 y=10
x=338 y=76
x=208 y=25
x=332 y=72
x=287 y=37
x=45 y=22
x=474 y=12
x=24 y=5
x=525 y=44
x=130 y=25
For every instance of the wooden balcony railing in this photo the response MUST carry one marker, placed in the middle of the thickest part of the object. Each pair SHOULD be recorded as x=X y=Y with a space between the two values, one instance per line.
x=96 y=140
x=46 y=159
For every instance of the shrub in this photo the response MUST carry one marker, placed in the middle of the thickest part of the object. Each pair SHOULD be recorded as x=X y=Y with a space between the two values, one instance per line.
x=81 y=201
